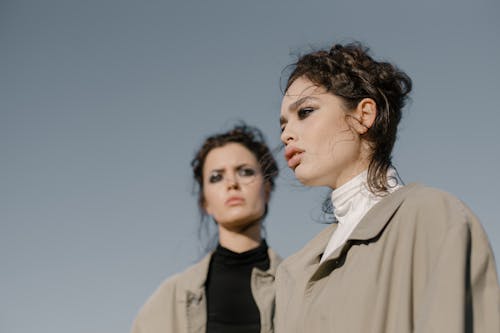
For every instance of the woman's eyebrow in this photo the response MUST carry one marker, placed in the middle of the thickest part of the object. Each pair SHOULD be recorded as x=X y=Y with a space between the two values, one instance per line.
x=239 y=166
x=245 y=165
x=295 y=105
x=300 y=101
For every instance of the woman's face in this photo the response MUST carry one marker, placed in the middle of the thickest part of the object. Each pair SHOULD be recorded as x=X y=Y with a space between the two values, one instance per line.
x=234 y=190
x=321 y=147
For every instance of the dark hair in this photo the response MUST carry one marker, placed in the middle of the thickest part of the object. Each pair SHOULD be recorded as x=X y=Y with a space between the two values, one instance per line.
x=248 y=136
x=349 y=72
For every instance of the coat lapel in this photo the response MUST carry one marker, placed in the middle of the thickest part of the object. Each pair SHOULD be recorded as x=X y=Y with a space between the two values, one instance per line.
x=192 y=291
x=369 y=228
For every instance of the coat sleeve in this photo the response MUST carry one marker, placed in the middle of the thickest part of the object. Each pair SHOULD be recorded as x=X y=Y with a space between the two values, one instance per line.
x=462 y=292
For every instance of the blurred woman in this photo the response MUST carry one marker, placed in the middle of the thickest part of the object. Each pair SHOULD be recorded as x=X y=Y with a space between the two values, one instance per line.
x=400 y=258
x=231 y=289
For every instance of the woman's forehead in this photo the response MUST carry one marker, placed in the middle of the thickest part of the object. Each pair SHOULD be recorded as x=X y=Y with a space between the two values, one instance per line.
x=230 y=155
x=301 y=88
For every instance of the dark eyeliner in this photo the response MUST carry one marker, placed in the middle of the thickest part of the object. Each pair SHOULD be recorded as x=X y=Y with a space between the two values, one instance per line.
x=304 y=112
x=215 y=178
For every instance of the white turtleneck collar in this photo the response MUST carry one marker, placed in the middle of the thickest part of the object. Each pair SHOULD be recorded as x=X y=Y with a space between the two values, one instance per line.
x=351 y=202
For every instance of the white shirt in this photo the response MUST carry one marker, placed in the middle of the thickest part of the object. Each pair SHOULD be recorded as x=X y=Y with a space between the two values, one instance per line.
x=351 y=202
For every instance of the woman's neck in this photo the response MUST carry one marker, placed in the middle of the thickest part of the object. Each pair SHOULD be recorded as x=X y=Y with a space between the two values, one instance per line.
x=241 y=240
x=349 y=174
x=356 y=167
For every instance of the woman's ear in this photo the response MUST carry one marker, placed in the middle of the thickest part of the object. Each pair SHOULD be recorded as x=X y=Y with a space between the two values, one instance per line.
x=363 y=117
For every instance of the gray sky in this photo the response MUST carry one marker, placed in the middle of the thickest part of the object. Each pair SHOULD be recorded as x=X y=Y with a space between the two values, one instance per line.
x=103 y=104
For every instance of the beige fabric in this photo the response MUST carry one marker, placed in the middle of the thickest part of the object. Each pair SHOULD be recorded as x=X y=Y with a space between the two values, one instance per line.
x=179 y=304
x=419 y=261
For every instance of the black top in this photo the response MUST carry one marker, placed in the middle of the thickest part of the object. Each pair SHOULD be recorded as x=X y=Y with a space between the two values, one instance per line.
x=230 y=304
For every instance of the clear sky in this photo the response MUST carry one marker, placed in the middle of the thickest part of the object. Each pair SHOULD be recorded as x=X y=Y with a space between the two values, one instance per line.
x=103 y=104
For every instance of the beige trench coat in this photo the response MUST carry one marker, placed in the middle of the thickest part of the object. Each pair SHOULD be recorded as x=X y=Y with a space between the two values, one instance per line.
x=419 y=261
x=179 y=304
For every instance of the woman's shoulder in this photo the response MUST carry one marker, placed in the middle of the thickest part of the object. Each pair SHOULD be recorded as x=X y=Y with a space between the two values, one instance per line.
x=419 y=192
x=192 y=277
x=430 y=200
x=160 y=311
x=436 y=210
x=441 y=220
x=189 y=279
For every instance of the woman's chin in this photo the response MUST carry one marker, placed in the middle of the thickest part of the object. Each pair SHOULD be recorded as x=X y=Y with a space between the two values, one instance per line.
x=306 y=181
x=308 y=178
x=302 y=175
x=241 y=222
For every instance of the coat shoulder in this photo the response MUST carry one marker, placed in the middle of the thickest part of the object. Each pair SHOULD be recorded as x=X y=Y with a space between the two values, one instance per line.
x=426 y=195
x=437 y=213
x=166 y=298
x=437 y=207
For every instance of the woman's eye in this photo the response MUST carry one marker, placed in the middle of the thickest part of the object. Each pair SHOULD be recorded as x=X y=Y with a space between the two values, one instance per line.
x=215 y=178
x=246 y=172
x=304 y=112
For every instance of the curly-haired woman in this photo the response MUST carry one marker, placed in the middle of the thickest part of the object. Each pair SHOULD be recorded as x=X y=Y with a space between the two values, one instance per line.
x=232 y=288
x=399 y=258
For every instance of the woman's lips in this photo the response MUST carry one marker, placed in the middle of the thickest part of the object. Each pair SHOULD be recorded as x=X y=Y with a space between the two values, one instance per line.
x=293 y=156
x=294 y=160
x=234 y=201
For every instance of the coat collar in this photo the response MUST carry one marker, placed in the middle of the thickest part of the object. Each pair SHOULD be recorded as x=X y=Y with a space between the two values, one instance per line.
x=310 y=254
x=191 y=290
x=369 y=227
x=199 y=272
x=377 y=218
x=274 y=261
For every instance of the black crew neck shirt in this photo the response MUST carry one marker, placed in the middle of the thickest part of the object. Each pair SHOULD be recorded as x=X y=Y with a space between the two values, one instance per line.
x=231 y=307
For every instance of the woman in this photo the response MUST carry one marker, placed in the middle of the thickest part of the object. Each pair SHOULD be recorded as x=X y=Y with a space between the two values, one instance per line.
x=231 y=289
x=400 y=258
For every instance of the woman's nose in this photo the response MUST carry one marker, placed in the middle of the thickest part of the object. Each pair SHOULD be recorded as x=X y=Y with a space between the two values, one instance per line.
x=232 y=182
x=287 y=135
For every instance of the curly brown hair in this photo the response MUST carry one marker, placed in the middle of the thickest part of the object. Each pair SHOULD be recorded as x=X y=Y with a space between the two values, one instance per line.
x=349 y=72
x=248 y=136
